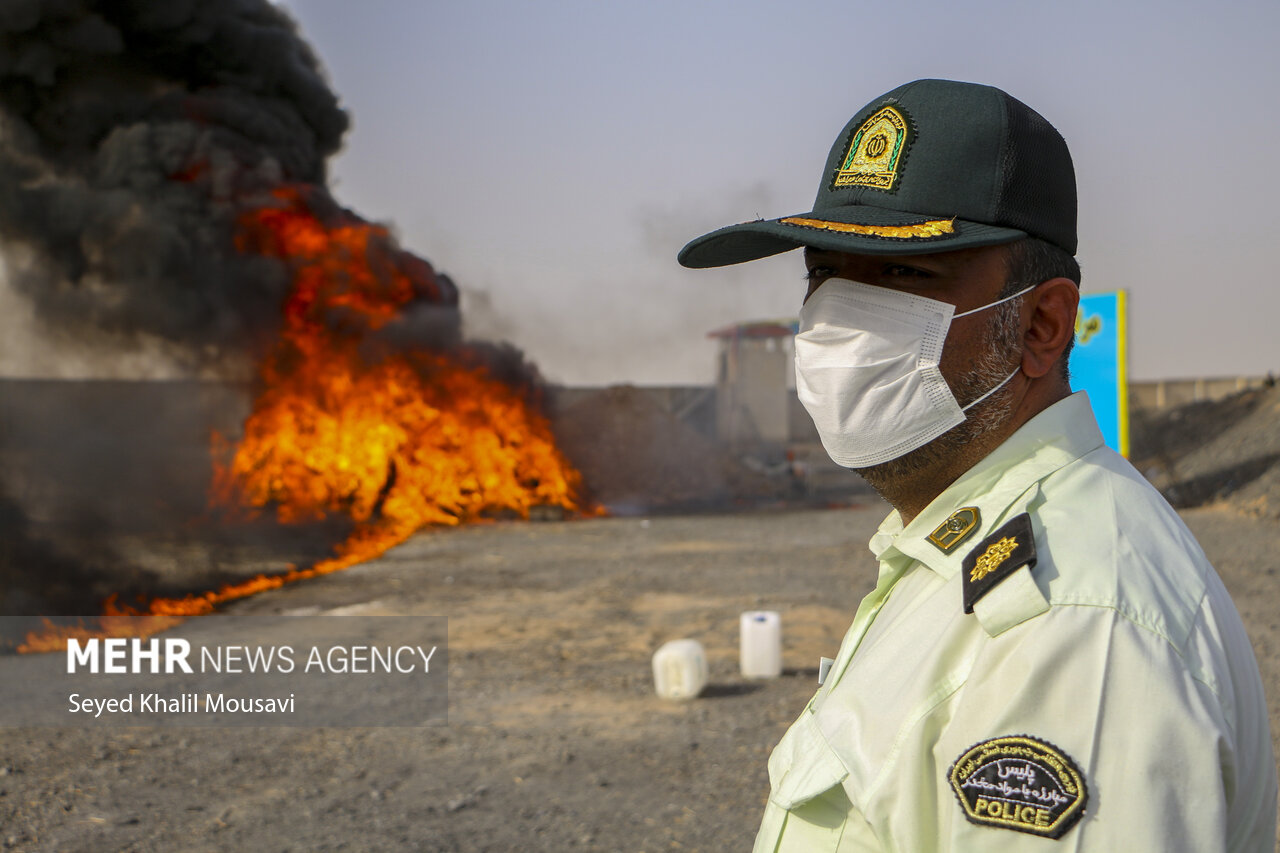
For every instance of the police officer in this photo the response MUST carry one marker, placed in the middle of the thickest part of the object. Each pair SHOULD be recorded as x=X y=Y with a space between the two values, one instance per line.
x=1047 y=660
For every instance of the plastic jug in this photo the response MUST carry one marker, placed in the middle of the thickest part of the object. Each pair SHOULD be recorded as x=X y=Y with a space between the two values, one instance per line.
x=680 y=669
x=761 y=643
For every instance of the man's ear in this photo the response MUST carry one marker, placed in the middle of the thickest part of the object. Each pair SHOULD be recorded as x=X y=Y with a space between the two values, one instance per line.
x=1050 y=326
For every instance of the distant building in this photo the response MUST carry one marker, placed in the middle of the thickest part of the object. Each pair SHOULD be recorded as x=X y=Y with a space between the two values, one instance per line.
x=755 y=381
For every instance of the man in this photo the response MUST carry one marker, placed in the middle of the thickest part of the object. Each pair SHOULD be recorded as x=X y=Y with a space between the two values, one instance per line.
x=1047 y=660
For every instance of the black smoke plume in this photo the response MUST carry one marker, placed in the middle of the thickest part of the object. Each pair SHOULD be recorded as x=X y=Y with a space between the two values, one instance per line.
x=134 y=137
x=132 y=134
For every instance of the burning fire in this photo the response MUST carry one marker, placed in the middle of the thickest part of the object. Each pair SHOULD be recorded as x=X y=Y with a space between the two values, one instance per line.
x=394 y=440
x=347 y=424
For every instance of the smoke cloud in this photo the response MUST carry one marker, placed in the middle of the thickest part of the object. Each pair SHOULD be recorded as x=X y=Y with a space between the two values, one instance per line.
x=137 y=139
x=132 y=134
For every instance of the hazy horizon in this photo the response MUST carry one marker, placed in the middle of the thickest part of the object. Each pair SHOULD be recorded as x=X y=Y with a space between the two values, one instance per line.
x=552 y=158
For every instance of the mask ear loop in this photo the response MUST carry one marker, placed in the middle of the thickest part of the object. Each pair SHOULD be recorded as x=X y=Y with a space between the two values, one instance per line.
x=994 y=304
x=993 y=390
x=1016 y=369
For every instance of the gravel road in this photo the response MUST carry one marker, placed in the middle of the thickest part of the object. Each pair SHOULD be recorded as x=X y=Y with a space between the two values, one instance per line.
x=554 y=739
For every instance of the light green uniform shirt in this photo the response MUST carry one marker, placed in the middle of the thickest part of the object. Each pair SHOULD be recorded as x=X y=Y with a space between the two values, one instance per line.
x=1120 y=648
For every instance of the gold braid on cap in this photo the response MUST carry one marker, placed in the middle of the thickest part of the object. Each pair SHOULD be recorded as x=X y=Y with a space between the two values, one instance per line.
x=932 y=228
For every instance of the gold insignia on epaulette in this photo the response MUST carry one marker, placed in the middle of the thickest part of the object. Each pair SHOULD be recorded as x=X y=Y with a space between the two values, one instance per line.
x=957 y=528
x=875 y=152
x=993 y=557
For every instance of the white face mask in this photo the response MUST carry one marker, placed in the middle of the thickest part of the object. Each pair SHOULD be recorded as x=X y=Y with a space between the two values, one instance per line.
x=867 y=370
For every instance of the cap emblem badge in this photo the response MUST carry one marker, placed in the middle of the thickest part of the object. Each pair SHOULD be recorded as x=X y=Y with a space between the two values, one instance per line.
x=875 y=152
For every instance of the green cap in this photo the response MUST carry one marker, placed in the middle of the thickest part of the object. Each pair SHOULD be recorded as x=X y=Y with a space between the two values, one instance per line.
x=932 y=166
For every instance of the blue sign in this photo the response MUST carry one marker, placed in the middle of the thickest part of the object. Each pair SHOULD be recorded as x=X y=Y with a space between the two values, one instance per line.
x=1098 y=364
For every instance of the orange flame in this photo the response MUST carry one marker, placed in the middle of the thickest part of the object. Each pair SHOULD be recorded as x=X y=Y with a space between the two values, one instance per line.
x=395 y=441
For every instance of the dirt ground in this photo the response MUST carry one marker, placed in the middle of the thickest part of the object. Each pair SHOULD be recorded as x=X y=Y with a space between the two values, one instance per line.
x=555 y=740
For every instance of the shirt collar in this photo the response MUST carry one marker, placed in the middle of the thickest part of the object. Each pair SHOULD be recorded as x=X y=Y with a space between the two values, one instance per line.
x=1001 y=486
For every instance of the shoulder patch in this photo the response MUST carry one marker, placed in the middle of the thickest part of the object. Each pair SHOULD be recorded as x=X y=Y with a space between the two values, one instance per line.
x=1020 y=783
x=957 y=528
x=996 y=557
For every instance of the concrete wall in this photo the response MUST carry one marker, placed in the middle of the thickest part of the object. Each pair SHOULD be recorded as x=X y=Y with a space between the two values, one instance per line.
x=146 y=444
x=689 y=402
x=1166 y=393
x=695 y=405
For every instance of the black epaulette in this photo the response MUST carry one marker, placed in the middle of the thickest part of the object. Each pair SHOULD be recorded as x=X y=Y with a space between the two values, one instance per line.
x=996 y=557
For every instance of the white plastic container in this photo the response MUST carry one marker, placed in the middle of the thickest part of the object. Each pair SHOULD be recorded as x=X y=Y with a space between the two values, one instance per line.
x=761 y=643
x=680 y=669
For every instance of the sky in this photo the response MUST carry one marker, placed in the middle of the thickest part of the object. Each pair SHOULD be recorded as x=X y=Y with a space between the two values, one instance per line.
x=552 y=157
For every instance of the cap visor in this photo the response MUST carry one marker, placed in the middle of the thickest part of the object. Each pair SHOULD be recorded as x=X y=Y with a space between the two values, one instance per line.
x=859 y=229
